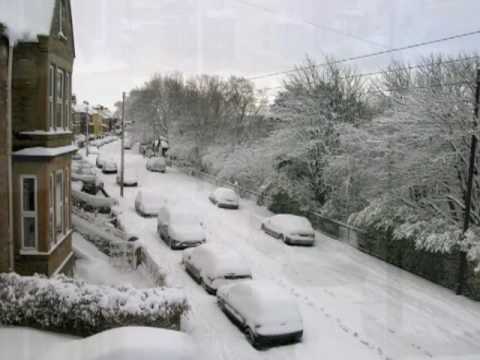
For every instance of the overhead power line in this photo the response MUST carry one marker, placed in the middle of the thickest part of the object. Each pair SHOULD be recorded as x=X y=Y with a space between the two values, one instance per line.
x=366 y=56
x=315 y=25
x=409 y=67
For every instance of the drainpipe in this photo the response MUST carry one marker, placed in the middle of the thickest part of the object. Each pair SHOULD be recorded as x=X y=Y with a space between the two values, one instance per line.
x=9 y=157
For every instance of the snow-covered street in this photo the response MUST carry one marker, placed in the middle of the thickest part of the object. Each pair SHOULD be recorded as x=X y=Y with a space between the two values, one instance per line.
x=353 y=306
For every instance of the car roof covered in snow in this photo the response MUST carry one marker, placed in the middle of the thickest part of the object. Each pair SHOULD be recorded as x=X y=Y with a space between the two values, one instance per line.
x=126 y=343
x=26 y=19
x=291 y=221
x=225 y=260
x=149 y=195
x=223 y=191
x=263 y=300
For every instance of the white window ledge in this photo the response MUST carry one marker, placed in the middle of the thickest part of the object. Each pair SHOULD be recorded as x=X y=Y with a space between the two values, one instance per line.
x=53 y=131
x=40 y=151
x=43 y=253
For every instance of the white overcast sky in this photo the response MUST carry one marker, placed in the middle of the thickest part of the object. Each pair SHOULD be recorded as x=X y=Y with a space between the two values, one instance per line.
x=121 y=43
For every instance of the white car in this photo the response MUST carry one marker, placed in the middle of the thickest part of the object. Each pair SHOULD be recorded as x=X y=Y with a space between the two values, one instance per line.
x=157 y=164
x=291 y=229
x=225 y=198
x=265 y=312
x=179 y=229
x=213 y=266
x=127 y=343
x=109 y=166
x=149 y=202
x=129 y=178
x=93 y=150
x=127 y=143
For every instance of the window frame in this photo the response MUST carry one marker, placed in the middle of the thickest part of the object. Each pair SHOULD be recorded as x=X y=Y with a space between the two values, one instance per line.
x=66 y=198
x=59 y=97
x=67 y=100
x=51 y=96
x=59 y=206
x=52 y=240
x=29 y=213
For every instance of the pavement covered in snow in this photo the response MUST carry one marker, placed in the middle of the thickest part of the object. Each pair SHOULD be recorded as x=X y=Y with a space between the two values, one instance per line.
x=353 y=306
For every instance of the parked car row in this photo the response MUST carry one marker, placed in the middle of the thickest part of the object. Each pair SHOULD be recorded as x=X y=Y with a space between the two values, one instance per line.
x=265 y=312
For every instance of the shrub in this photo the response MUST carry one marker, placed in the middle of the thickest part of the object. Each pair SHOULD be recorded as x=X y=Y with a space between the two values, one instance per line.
x=72 y=306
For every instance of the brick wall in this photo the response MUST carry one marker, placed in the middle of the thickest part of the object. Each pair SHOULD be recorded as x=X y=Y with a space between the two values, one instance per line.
x=4 y=191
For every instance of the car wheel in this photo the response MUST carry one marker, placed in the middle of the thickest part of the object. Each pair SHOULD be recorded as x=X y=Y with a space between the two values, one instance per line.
x=251 y=337
x=170 y=242
x=262 y=227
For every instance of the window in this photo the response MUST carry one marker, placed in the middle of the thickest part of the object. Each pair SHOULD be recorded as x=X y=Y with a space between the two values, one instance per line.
x=51 y=90
x=59 y=204
x=29 y=211
x=67 y=198
x=51 y=213
x=60 y=81
x=68 y=97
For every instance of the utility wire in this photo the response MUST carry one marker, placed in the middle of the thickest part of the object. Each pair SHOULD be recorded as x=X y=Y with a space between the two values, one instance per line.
x=366 y=56
x=307 y=22
x=410 y=67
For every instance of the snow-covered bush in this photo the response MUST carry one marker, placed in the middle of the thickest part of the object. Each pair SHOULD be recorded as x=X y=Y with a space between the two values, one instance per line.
x=72 y=306
x=92 y=202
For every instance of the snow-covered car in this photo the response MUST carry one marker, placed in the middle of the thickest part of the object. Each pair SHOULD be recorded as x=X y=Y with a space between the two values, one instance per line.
x=88 y=176
x=100 y=160
x=93 y=150
x=265 y=312
x=225 y=198
x=291 y=229
x=213 y=266
x=127 y=343
x=129 y=178
x=157 y=164
x=179 y=229
x=109 y=166
x=149 y=202
x=127 y=143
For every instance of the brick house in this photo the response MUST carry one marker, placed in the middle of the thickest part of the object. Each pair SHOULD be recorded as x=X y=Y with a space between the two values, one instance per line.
x=37 y=36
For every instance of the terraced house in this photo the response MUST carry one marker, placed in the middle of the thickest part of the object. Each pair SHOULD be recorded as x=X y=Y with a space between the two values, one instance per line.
x=36 y=59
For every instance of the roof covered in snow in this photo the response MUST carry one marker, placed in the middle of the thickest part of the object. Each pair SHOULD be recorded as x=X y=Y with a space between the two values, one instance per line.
x=82 y=107
x=26 y=19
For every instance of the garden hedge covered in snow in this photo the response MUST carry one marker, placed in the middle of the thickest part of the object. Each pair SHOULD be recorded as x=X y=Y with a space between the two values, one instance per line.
x=72 y=306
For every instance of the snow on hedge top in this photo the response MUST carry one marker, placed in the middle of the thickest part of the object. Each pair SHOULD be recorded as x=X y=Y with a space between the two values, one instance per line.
x=25 y=19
